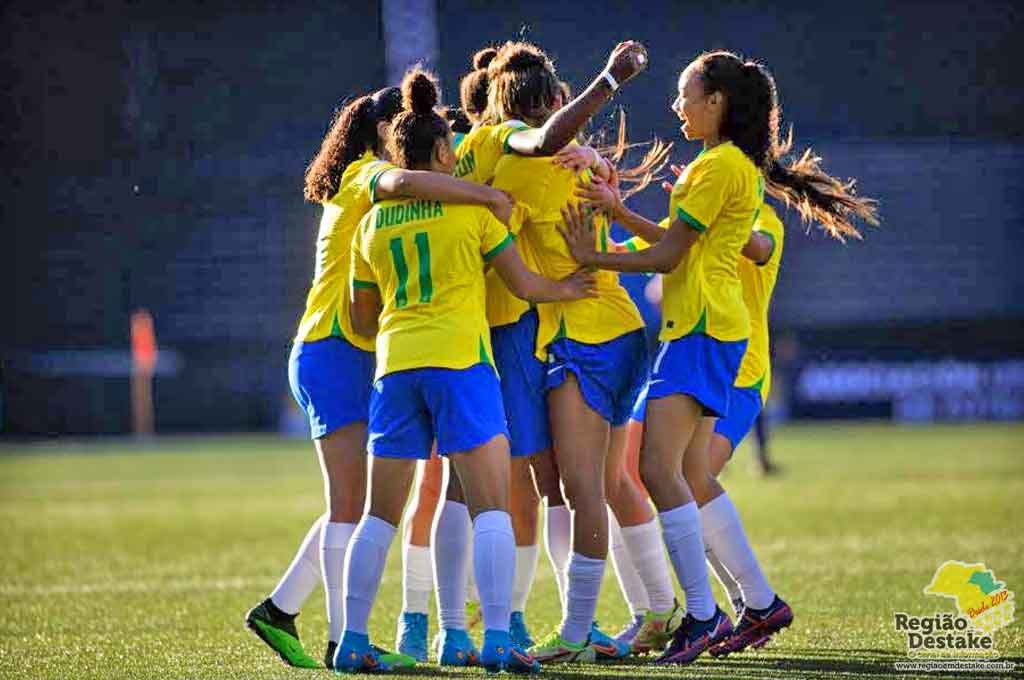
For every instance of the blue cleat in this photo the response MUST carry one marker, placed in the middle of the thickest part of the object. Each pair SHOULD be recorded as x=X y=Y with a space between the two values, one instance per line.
x=606 y=647
x=517 y=629
x=502 y=654
x=355 y=654
x=695 y=637
x=412 y=636
x=629 y=631
x=455 y=648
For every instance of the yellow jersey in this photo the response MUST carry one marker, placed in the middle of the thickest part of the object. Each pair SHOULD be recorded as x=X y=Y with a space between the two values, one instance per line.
x=427 y=260
x=326 y=312
x=718 y=194
x=479 y=151
x=758 y=284
x=543 y=188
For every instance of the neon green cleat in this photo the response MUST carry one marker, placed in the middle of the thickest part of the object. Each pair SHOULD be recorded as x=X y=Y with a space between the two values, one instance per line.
x=553 y=649
x=657 y=629
x=279 y=633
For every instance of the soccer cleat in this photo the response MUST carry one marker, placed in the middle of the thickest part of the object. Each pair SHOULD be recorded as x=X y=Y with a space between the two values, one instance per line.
x=278 y=631
x=501 y=653
x=657 y=630
x=629 y=631
x=755 y=628
x=455 y=648
x=553 y=649
x=737 y=607
x=517 y=629
x=355 y=654
x=412 y=636
x=607 y=648
x=693 y=637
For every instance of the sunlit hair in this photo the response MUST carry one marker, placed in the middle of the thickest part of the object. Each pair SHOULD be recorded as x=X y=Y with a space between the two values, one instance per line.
x=523 y=84
x=353 y=132
x=415 y=131
x=474 y=85
x=751 y=121
x=632 y=179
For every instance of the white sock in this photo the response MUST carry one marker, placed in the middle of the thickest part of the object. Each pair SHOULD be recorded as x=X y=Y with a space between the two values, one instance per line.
x=648 y=555
x=731 y=586
x=417 y=578
x=302 y=574
x=558 y=540
x=334 y=541
x=364 y=567
x=450 y=545
x=585 y=576
x=526 y=567
x=680 y=528
x=494 y=563
x=633 y=591
x=723 y=532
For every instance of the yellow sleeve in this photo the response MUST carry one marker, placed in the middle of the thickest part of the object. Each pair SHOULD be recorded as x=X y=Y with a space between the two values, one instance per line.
x=505 y=131
x=371 y=174
x=494 y=237
x=362 y=275
x=636 y=243
x=699 y=198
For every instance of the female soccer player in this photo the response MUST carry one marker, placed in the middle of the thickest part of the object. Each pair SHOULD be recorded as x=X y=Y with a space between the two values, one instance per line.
x=345 y=177
x=732 y=106
x=417 y=283
x=513 y=334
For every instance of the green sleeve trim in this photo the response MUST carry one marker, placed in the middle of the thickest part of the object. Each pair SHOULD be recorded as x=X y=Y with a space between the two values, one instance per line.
x=493 y=252
x=691 y=220
x=373 y=184
x=505 y=146
x=631 y=246
x=356 y=283
x=771 y=252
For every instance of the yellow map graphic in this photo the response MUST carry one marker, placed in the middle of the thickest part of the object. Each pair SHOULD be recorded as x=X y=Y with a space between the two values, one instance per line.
x=979 y=596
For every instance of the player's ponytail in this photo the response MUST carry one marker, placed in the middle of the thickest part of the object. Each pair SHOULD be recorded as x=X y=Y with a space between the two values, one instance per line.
x=751 y=121
x=415 y=131
x=474 y=85
x=523 y=84
x=353 y=132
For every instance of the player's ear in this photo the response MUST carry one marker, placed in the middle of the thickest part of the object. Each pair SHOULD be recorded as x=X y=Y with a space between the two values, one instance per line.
x=382 y=131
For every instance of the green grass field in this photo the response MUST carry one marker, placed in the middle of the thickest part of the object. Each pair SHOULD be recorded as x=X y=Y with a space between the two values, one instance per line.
x=139 y=561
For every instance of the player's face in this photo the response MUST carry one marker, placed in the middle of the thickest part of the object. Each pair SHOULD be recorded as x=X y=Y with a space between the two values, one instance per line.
x=444 y=156
x=691 y=105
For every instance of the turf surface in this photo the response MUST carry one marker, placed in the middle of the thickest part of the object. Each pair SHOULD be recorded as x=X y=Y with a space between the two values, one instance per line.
x=124 y=560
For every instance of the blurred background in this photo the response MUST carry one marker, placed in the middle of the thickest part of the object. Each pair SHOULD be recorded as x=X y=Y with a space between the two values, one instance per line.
x=155 y=158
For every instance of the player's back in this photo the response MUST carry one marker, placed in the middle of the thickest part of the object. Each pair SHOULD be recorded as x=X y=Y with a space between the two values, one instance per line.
x=427 y=259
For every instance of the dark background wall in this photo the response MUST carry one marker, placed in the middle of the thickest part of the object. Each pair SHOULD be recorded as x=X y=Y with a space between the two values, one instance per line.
x=156 y=155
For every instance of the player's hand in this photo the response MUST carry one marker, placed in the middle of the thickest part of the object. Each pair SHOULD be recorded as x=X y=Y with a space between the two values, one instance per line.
x=677 y=171
x=627 y=60
x=576 y=157
x=578 y=234
x=600 y=194
x=582 y=283
x=502 y=206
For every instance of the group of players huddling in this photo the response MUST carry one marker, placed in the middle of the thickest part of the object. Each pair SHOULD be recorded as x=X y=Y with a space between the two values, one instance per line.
x=466 y=301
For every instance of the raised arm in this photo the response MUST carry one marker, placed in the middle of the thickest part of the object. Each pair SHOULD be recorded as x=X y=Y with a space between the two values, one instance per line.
x=401 y=183
x=532 y=287
x=627 y=60
x=662 y=257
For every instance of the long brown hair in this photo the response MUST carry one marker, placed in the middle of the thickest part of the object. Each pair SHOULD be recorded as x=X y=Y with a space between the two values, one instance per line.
x=353 y=132
x=752 y=120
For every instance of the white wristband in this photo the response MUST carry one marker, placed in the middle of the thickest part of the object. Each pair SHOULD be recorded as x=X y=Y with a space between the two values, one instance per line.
x=612 y=83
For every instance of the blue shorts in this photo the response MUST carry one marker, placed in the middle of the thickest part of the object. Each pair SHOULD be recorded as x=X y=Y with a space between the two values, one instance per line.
x=460 y=408
x=522 y=384
x=699 y=366
x=610 y=374
x=744 y=405
x=331 y=381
